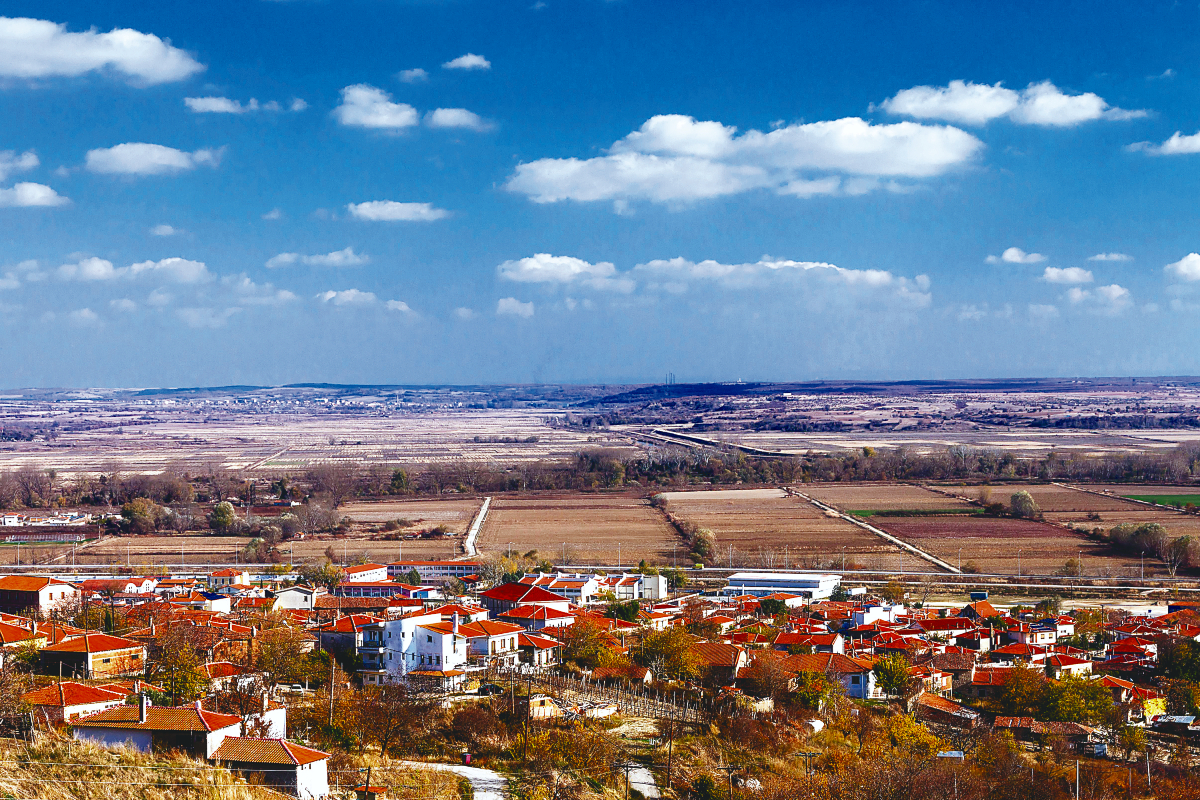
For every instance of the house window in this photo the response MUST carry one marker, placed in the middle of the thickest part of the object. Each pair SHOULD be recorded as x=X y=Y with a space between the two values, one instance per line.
x=856 y=679
x=429 y=638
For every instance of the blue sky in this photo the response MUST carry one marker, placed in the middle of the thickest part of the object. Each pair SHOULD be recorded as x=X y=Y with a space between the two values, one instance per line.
x=379 y=191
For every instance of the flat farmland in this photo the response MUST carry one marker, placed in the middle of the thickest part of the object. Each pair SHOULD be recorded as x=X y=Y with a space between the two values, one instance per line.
x=993 y=544
x=454 y=514
x=761 y=523
x=592 y=526
x=1052 y=498
x=879 y=497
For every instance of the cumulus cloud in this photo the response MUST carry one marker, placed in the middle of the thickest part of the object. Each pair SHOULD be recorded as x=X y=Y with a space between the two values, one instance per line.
x=1177 y=145
x=674 y=275
x=34 y=48
x=83 y=317
x=1111 y=299
x=468 y=61
x=163 y=230
x=977 y=103
x=456 y=118
x=1186 y=268
x=1067 y=275
x=347 y=297
x=274 y=213
x=512 y=307
x=30 y=195
x=399 y=306
x=392 y=211
x=123 y=305
x=338 y=258
x=415 y=75
x=206 y=317
x=462 y=312
x=545 y=268
x=249 y=293
x=159 y=298
x=1110 y=257
x=1041 y=312
x=10 y=162
x=298 y=104
x=677 y=158
x=1015 y=255
x=179 y=270
x=90 y=269
x=219 y=105
x=365 y=106
x=141 y=158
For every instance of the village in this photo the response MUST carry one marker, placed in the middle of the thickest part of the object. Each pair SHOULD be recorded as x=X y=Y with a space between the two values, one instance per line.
x=232 y=668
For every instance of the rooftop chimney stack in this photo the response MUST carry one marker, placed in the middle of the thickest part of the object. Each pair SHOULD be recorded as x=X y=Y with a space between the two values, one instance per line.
x=143 y=704
x=455 y=623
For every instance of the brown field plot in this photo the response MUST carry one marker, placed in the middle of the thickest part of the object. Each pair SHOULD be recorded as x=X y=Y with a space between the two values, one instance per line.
x=879 y=497
x=592 y=526
x=454 y=514
x=761 y=523
x=993 y=544
x=1050 y=498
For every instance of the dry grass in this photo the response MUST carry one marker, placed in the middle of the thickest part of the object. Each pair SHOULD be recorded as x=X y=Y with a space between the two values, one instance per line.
x=879 y=496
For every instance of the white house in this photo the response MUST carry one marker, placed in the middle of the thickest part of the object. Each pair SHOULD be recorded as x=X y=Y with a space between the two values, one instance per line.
x=296 y=770
x=299 y=596
x=148 y=728
x=366 y=573
x=815 y=586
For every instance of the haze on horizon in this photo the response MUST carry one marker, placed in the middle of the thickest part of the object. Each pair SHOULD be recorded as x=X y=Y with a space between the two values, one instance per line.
x=393 y=192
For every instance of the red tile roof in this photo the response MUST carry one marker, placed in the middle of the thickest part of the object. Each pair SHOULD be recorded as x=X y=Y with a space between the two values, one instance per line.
x=93 y=643
x=160 y=718
x=239 y=749
x=28 y=583
x=69 y=693
x=520 y=593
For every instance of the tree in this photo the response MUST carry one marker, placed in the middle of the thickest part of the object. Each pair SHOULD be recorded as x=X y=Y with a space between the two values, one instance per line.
x=627 y=612
x=586 y=644
x=279 y=652
x=813 y=689
x=1131 y=740
x=1023 y=506
x=893 y=674
x=325 y=574
x=176 y=668
x=394 y=714
x=142 y=515
x=1020 y=694
x=893 y=592
x=1076 y=699
x=669 y=653
x=767 y=677
x=772 y=607
x=412 y=578
x=1176 y=553
x=222 y=517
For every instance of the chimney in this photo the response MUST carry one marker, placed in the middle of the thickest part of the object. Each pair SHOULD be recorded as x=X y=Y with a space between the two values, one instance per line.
x=265 y=702
x=143 y=704
x=455 y=628
x=197 y=704
x=137 y=686
x=151 y=624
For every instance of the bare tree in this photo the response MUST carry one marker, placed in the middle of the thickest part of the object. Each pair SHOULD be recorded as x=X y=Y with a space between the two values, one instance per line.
x=33 y=485
x=337 y=480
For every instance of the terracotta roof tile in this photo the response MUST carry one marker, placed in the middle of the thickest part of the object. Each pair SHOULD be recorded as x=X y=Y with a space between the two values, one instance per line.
x=266 y=751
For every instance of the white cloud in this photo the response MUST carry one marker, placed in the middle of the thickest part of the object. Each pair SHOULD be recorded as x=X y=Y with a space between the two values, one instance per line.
x=123 y=305
x=545 y=268
x=1177 y=145
x=365 y=106
x=164 y=230
x=90 y=269
x=206 y=317
x=677 y=158
x=1186 y=268
x=468 y=61
x=400 y=306
x=1015 y=255
x=34 y=48
x=415 y=75
x=1111 y=299
x=159 y=298
x=180 y=270
x=391 y=211
x=1067 y=275
x=511 y=306
x=971 y=313
x=83 y=317
x=10 y=162
x=10 y=281
x=1110 y=257
x=456 y=118
x=29 y=195
x=977 y=103
x=298 y=104
x=219 y=105
x=347 y=297
x=462 y=312
x=140 y=158
x=338 y=258
x=249 y=293
x=274 y=213
x=674 y=274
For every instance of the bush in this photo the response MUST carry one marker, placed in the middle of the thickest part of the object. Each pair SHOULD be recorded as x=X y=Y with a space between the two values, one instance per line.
x=1023 y=506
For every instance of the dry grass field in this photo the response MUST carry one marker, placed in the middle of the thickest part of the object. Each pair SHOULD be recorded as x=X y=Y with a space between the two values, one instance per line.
x=1051 y=498
x=592 y=526
x=993 y=544
x=879 y=497
x=454 y=514
x=769 y=529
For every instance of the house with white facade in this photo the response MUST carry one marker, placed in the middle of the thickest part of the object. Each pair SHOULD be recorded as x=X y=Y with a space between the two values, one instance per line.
x=366 y=573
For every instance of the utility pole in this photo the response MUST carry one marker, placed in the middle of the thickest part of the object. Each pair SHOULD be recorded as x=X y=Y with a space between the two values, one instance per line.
x=670 y=747
x=1077 y=779
x=628 y=767
x=729 y=770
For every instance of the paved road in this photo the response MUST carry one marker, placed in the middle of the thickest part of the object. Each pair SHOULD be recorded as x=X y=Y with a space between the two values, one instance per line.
x=487 y=784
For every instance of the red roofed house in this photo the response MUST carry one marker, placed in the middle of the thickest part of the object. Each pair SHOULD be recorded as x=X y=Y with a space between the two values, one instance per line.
x=94 y=655
x=66 y=700
x=366 y=573
x=493 y=640
x=297 y=770
x=534 y=618
x=19 y=593
x=538 y=651
x=1059 y=665
x=721 y=660
x=148 y=728
x=507 y=596
x=228 y=577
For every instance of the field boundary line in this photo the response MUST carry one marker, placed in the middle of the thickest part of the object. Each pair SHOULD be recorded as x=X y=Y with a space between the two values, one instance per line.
x=476 y=524
x=1119 y=497
x=916 y=551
